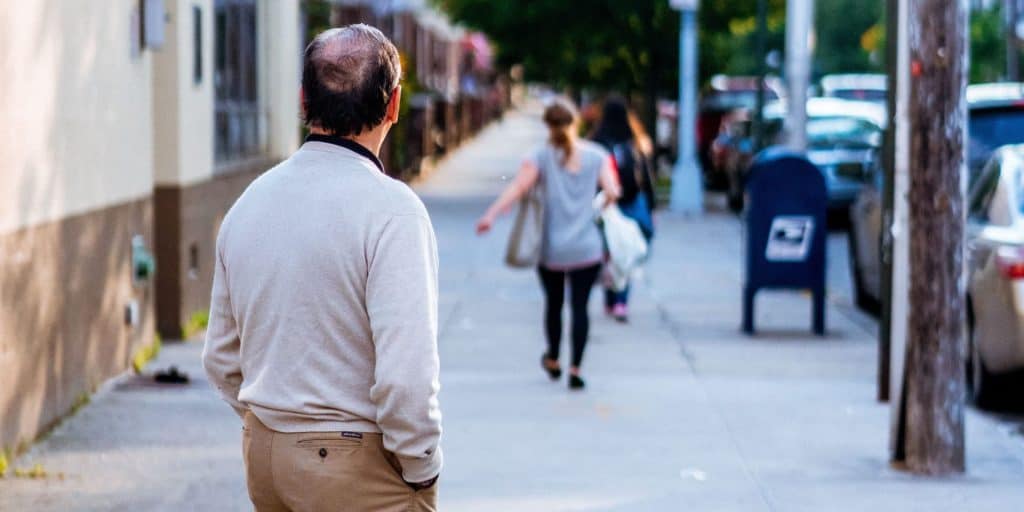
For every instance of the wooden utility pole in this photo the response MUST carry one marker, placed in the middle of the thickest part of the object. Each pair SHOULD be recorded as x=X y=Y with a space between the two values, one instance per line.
x=931 y=432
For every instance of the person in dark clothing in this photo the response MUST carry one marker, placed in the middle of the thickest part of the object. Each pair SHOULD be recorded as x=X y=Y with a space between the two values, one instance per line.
x=631 y=152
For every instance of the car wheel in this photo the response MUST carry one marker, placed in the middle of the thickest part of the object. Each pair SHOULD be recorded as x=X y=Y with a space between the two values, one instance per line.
x=864 y=302
x=981 y=382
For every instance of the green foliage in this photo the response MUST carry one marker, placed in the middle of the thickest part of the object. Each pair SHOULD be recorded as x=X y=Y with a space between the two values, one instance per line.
x=35 y=473
x=196 y=324
x=145 y=354
x=631 y=45
x=624 y=45
x=318 y=17
x=988 y=46
x=399 y=135
x=728 y=36
x=842 y=31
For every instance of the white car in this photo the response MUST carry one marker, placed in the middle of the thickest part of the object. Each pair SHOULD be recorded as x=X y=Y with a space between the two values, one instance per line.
x=860 y=87
x=995 y=282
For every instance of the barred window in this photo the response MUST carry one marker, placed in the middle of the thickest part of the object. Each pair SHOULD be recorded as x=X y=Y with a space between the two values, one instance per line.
x=237 y=117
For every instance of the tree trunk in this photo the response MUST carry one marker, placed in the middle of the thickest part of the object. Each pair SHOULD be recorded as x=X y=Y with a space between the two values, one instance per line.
x=933 y=440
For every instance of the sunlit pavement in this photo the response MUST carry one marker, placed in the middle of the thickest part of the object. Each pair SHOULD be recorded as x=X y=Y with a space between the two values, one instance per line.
x=681 y=412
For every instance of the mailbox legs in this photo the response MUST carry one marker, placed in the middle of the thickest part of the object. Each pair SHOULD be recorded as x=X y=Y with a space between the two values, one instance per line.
x=817 y=314
x=748 y=309
x=819 y=311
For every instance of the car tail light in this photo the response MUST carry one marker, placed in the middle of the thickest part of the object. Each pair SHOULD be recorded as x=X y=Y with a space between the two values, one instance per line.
x=1010 y=261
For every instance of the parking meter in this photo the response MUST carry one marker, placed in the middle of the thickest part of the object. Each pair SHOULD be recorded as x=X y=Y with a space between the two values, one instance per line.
x=785 y=231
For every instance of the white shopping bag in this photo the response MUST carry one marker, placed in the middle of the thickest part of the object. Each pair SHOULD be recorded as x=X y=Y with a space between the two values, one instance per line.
x=627 y=248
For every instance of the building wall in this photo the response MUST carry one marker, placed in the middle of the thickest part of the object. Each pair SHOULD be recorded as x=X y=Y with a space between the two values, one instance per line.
x=76 y=138
x=182 y=107
x=73 y=99
x=194 y=192
x=281 y=73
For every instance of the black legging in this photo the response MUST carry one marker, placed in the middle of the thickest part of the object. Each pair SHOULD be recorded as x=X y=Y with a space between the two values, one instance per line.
x=581 y=281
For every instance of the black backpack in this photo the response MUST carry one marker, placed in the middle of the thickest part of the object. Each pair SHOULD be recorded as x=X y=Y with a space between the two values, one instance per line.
x=631 y=170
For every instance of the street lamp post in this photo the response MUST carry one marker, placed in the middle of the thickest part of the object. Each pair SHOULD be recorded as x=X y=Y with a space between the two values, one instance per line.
x=799 y=19
x=687 y=189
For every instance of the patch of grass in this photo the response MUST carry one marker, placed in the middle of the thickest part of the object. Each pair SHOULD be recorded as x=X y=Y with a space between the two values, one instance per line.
x=145 y=354
x=81 y=400
x=35 y=472
x=196 y=324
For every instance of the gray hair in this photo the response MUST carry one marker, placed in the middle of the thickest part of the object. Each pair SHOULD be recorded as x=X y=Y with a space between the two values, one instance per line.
x=348 y=77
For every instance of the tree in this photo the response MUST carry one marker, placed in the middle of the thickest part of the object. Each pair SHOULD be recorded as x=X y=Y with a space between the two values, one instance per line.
x=988 y=47
x=847 y=34
x=607 y=45
x=728 y=36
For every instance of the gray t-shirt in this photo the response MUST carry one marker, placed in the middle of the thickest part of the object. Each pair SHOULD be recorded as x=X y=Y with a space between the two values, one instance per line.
x=571 y=237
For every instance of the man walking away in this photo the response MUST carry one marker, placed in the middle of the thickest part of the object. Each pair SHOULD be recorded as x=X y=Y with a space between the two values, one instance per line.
x=323 y=322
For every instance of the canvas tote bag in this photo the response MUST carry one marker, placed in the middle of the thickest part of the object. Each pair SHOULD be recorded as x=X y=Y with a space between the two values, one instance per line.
x=526 y=240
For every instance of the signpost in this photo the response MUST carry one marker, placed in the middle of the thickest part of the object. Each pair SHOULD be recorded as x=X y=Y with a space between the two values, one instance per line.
x=687 y=188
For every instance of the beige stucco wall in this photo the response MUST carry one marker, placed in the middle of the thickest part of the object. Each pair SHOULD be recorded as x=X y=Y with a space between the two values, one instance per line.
x=182 y=108
x=75 y=110
x=281 y=48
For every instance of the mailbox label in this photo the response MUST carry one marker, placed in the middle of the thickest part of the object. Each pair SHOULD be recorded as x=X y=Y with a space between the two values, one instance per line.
x=790 y=238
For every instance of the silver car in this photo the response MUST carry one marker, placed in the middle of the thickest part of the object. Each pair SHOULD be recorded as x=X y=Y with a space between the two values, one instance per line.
x=995 y=279
x=842 y=138
x=995 y=266
x=995 y=119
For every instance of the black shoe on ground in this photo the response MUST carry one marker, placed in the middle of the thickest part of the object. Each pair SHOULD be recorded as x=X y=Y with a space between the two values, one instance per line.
x=575 y=382
x=553 y=373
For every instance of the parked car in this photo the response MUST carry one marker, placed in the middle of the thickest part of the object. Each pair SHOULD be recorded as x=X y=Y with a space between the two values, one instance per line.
x=724 y=95
x=995 y=118
x=995 y=279
x=859 y=87
x=843 y=139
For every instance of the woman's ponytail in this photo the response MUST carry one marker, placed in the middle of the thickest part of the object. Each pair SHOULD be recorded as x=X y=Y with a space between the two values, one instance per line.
x=560 y=119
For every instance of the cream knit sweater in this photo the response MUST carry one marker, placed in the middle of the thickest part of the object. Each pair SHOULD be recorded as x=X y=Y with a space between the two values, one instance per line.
x=324 y=307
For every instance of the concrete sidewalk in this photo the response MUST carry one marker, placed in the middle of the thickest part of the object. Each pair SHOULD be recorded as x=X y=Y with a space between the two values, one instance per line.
x=682 y=412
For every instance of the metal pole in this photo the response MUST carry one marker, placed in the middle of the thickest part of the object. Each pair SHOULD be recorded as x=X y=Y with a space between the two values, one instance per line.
x=892 y=32
x=799 y=16
x=899 y=232
x=762 y=55
x=687 y=189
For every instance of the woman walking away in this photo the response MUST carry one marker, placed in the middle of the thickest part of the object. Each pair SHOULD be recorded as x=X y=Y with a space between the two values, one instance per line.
x=569 y=171
x=631 y=151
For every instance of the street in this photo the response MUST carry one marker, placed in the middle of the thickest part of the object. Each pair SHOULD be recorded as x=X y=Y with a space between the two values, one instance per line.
x=681 y=411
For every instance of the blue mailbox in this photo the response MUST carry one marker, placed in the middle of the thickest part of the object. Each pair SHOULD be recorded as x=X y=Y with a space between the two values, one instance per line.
x=786 y=229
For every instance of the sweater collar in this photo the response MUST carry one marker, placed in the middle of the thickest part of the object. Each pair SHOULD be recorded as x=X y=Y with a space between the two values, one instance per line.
x=348 y=144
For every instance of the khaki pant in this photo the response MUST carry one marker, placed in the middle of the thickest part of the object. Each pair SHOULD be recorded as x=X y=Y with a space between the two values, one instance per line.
x=326 y=471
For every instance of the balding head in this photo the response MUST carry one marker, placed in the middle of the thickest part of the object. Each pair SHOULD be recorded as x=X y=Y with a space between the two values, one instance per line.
x=348 y=77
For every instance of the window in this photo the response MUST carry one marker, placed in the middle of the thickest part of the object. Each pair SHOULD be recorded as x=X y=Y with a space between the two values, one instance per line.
x=236 y=123
x=193 y=261
x=980 y=196
x=990 y=128
x=197 y=45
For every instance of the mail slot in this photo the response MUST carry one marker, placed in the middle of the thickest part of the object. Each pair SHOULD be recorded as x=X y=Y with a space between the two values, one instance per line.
x=785 y=231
